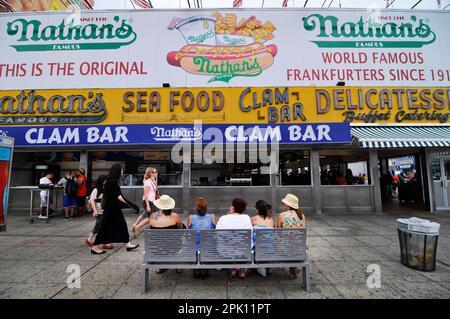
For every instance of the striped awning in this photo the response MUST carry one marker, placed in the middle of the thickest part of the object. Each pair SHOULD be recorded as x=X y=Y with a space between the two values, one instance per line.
x=401 y=136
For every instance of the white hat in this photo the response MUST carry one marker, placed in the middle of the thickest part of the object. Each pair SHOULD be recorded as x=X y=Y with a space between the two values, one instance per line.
x=291 y=201
x=165 y=202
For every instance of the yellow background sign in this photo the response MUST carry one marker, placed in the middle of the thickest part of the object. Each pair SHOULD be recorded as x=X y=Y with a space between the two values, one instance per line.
x=226 y=105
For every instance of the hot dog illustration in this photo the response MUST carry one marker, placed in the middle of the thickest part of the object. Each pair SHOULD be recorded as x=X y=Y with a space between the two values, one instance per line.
x=224 y=46
x=190 y=57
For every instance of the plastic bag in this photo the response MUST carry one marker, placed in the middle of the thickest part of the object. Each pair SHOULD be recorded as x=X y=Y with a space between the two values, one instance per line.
x=419 y=225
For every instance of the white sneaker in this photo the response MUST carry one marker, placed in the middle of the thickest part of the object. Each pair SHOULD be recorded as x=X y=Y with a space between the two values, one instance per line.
x=42 y=217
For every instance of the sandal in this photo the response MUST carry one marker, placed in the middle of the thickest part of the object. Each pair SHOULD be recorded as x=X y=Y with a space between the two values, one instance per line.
x=179 y=271
x=233 y=274
x=160 y=271
x=87 y=242
x=241 y=274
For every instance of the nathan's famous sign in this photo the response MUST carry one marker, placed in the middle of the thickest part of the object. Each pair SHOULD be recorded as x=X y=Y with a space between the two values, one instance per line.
x=223 y=47
x=32 y=108
x=69 y=34
x=226 y=105
x=371 y=32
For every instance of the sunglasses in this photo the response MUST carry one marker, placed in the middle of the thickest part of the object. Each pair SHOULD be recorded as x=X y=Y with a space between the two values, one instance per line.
x=155 y=172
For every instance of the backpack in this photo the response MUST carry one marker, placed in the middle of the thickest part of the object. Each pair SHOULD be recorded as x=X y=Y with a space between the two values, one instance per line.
x=71 y=187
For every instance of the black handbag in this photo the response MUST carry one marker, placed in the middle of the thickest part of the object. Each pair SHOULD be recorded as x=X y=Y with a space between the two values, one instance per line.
x=103 y=203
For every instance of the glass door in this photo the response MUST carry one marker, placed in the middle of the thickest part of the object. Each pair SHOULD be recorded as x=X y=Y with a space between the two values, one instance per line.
x=446 y=181
x=441 y=180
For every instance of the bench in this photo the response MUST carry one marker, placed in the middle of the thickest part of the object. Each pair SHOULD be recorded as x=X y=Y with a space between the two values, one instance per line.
x=176 y=249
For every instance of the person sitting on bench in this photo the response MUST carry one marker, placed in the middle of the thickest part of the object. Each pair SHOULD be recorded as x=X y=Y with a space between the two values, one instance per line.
x=236 y=219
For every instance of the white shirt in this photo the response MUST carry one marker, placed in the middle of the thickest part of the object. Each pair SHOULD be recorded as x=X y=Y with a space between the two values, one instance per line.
x=92 y=199
x=234 y=221
x=44 y=180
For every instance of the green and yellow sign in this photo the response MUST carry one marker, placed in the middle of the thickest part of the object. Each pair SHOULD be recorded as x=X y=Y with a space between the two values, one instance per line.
x=226 y=105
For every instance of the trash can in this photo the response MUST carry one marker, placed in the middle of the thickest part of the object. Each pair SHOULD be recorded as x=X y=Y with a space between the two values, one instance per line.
x=418 y=243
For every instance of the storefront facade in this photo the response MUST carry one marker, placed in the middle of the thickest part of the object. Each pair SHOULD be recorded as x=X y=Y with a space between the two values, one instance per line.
x=239 y=103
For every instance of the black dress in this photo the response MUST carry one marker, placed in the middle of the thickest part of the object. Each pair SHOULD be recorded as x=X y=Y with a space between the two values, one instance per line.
x=114 y=228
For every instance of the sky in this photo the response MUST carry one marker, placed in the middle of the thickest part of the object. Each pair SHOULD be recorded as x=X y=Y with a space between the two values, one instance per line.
x=173 y=4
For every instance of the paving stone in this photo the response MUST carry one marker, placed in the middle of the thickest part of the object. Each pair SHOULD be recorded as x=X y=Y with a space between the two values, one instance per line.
x=155 y=291
x=391 y=253
x=381 y=231
x=362 y=254
x=55 y=241
x=30 y=291
x=22 y=253
x=416 y=290
x=316 y=277
x=364 y=292
x=199 y=290
x=255 y=292
x=85 y=254
x=396 y=271
x=440 y=274
x=16 y=240
x=59 y=272
x=88 y=291
x=109 y=272
x=55 y=253
x=47 y=231
x=121 y=254
x=343 y=272
x=317 y=242
x=332 y=231
x=254 y=279
x=316 y=292
x=374 y=240
x=344 y=241
x=326 y=254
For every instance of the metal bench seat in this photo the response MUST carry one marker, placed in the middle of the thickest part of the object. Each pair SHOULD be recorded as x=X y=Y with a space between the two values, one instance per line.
x=225 y=249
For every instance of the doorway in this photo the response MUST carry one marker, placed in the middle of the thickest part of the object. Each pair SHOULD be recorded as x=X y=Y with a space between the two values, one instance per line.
x=440 y=169
x=403 y=181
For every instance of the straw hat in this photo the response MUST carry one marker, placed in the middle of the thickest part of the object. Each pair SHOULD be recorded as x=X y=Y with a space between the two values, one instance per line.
x=291 y=201
x=165 y=202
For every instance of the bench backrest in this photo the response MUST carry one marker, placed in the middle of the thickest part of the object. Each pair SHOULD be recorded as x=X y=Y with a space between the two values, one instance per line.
x=225 y=246
x=274 y=244
x=170 y=245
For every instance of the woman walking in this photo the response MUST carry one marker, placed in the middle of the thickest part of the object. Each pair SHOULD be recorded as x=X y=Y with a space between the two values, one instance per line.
x=114 y=227
x=95 y=202
x=151 y=194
